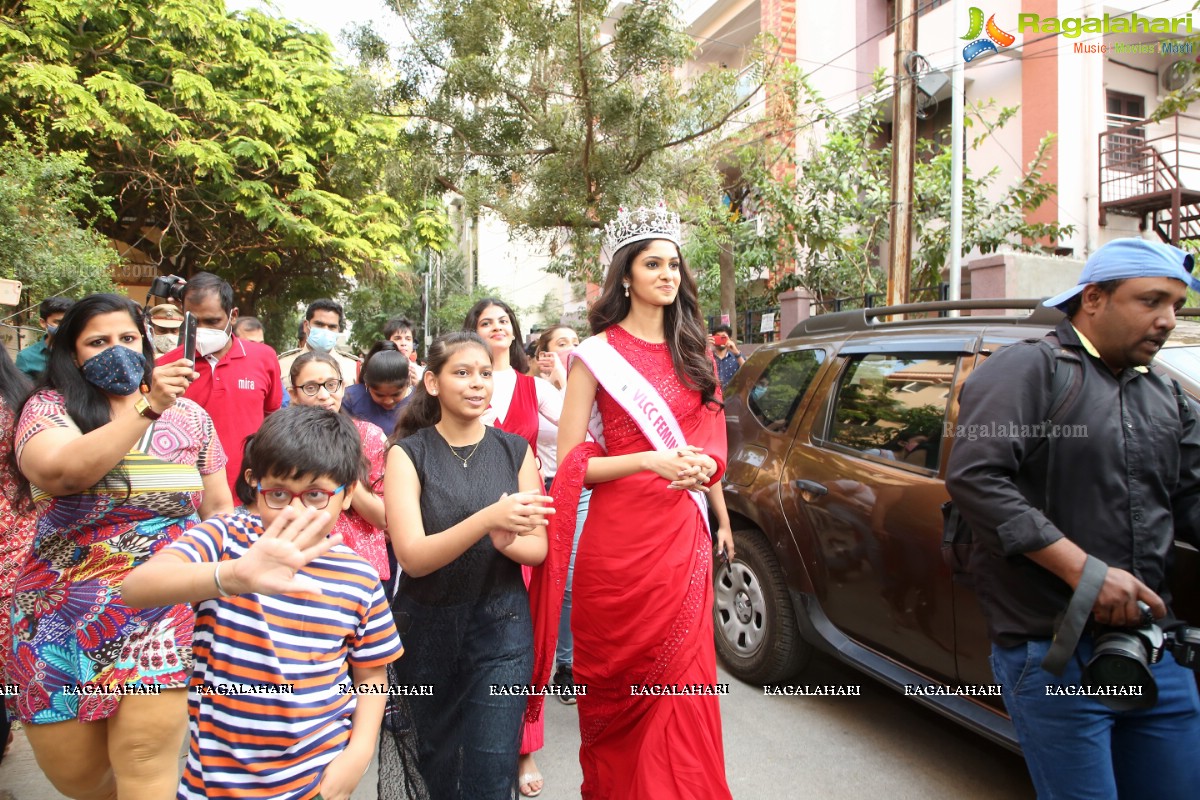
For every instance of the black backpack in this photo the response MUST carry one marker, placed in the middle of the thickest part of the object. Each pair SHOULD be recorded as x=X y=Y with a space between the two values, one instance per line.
x=957 y=538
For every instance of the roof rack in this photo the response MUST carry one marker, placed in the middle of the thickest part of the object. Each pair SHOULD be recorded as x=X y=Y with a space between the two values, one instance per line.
x=867 y=318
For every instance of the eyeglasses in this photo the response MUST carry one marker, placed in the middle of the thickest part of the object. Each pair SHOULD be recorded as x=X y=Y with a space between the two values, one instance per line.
x=316 y=499
x=333 y=386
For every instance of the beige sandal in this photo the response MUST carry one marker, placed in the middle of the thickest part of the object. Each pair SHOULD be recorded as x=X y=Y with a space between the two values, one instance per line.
x=531 y=778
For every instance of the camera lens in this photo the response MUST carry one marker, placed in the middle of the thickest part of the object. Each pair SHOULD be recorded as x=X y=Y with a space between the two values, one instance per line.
x=1120 y=662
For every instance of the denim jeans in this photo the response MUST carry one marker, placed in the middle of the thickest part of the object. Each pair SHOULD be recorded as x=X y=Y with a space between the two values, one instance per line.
x=1077 y=748
x=468 y=736
x=564 y=651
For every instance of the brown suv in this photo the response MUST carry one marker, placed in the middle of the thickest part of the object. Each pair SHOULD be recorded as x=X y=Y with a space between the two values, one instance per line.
x=839 y=438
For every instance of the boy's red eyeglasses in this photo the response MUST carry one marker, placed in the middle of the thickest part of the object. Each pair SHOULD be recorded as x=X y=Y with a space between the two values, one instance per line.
x=280 y=498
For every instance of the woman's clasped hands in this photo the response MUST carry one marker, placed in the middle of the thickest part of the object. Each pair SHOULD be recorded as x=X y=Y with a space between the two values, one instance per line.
x=686 y=467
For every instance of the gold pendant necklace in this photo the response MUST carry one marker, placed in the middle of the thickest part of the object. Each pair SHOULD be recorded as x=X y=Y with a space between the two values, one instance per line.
x=469 y=455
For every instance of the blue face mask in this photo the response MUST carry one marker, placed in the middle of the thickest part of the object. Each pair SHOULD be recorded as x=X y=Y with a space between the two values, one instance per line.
x=757 y=392
x=117 y=370
x=321 y=339
x=51 y=330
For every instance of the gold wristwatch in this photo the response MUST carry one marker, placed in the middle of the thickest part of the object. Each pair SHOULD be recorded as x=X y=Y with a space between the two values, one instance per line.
x=143 y=407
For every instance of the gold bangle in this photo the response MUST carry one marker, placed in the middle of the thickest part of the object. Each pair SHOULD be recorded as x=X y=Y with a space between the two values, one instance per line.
x=217 y=580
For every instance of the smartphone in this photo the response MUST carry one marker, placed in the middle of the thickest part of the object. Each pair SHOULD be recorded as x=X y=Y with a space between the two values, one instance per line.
x=723 y=557
x=188 y=335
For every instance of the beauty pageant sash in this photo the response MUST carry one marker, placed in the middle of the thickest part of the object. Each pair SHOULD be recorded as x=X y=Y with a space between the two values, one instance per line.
x=640 y=400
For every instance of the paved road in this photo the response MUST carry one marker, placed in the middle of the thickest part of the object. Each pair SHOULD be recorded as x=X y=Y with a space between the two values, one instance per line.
x=873 y=746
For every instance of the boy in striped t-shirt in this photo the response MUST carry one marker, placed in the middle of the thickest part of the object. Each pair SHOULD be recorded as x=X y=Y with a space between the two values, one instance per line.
x=288 y=622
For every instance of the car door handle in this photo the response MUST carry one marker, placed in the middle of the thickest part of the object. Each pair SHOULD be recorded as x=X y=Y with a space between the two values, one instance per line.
x=811 y=487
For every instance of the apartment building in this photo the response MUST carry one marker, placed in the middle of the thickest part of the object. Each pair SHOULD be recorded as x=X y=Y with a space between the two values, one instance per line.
x=1090 y=72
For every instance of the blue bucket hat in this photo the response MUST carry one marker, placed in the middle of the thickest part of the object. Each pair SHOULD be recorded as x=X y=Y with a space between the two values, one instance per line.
x=1132 y=258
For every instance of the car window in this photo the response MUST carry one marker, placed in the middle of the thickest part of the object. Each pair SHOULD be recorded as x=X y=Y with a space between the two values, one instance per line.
x=776 y=395
x=892 y=406
x=1185 y=359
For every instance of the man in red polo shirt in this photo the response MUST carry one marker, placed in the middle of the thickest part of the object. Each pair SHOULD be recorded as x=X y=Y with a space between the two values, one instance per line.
x=239 y=380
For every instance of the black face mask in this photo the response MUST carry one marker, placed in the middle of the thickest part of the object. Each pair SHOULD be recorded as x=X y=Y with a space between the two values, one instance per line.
x=117 y=370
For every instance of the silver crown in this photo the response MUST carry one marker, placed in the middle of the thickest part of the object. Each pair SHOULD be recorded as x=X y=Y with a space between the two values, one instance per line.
x=638 y=225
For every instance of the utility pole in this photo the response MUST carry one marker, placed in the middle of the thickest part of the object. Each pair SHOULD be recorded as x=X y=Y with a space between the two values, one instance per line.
x=425 y=322
x=958 y=85
x=904 y=141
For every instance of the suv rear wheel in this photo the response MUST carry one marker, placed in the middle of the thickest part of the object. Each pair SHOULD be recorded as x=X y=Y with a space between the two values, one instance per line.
x=753 y=619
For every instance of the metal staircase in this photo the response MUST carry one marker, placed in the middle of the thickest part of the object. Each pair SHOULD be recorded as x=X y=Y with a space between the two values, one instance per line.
x=1151 y=170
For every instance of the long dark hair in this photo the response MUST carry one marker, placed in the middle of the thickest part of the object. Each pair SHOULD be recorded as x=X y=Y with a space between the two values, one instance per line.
x=88 y=406
x=384 y=364
x=424 y=409
x=15 y=387
x=516 y=350
x=683 y=326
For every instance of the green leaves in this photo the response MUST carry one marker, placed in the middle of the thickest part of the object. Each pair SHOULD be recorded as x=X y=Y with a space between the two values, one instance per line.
x=41 y=241
x=235 y=138
x=532 y=110
x=829 y=211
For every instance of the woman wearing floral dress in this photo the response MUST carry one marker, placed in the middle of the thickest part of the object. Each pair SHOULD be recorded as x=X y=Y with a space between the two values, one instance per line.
x=116 y=474
x=16 y=511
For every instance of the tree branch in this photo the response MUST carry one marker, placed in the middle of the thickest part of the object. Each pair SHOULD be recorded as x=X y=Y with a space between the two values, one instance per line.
x=589 y=117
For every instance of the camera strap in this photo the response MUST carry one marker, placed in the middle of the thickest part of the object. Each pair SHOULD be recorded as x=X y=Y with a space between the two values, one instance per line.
x=1070 y=627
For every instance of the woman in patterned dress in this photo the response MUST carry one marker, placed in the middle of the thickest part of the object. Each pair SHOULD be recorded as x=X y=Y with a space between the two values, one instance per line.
x=16 y=511
x=116 y=474
x=361 y=523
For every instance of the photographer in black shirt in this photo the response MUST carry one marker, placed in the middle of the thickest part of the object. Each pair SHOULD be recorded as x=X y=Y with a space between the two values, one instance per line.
x=1107 y=488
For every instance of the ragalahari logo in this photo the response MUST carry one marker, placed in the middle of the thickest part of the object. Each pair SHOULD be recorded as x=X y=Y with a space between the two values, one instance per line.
x=979 y=46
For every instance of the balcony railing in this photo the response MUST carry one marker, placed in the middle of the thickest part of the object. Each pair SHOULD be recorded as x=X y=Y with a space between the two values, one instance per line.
x=1148 y=167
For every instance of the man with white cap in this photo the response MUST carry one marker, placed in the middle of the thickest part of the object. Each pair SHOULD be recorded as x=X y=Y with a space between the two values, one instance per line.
x=165 y=320
x=1074 y=522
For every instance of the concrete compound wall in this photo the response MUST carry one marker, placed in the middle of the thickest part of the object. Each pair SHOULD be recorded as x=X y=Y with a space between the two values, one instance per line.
x=1021 y=275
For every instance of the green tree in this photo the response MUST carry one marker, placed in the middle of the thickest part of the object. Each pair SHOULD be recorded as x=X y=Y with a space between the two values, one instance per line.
x=227 y=142
x=727 y=235
x=42 y=242
x=371 y=304
x=530 y=109
x=828 y=211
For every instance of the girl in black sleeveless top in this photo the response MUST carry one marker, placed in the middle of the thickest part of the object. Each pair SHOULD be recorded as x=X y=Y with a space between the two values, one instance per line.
x=464 y=511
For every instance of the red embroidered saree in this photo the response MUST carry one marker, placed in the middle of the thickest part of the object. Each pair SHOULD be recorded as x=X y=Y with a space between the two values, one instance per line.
x=641 y=607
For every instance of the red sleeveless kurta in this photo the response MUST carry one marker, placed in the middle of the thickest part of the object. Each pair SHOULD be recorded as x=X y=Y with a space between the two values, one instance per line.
x=641 y=607
x=522 y=420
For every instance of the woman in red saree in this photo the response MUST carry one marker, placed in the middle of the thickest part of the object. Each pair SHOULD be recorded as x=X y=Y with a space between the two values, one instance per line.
x=642 y=594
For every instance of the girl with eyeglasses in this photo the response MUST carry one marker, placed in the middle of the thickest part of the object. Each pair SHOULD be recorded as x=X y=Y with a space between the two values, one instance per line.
x=316 y=380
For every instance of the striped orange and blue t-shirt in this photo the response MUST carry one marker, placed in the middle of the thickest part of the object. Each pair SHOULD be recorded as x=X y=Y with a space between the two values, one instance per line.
x=269 y=703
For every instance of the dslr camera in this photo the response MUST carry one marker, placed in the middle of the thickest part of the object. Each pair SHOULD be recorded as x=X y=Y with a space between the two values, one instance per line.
x=1122 y=658
x=168 y=287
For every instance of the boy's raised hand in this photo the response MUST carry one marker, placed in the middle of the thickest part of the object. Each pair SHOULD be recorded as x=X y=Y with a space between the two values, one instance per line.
x=292 y=540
